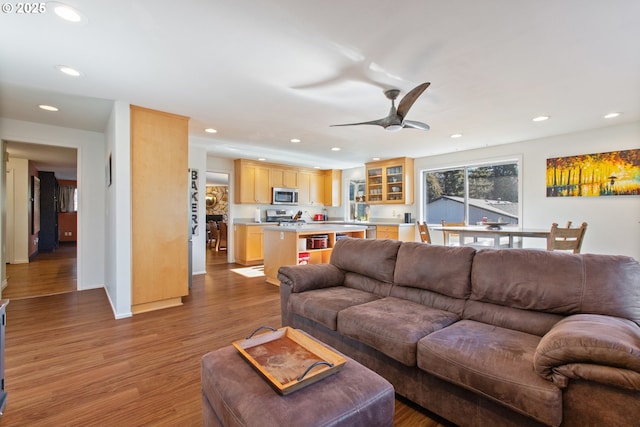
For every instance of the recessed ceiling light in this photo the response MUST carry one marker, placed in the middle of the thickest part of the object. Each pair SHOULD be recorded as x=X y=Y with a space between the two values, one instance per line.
x=540 y=118
x=316 y=167
x=210 y=130
x=375 y=159
x=48 y=107
x=456 y=135
x=67 y=12
x=611 y=115
x=262 y=159
x=335 y=149
x=295 y=140
x=69 y=71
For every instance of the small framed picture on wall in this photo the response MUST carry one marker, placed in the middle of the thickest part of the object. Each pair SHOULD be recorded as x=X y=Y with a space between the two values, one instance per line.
x=108 y=171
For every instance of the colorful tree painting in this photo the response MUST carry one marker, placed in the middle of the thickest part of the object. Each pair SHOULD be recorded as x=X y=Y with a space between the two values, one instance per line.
x=616 y=173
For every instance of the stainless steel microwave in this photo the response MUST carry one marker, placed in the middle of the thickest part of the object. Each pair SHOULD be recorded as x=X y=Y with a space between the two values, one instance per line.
x=285 y=196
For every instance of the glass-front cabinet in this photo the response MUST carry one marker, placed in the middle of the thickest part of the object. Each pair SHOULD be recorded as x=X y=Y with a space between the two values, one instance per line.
x=374 y=185
x=390 y=181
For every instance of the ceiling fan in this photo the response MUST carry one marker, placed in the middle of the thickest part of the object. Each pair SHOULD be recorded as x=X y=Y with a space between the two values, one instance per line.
x=395 y=119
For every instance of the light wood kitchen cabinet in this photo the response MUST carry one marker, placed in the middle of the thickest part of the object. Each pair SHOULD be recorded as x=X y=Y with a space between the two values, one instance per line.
x=249 y=242
x=159 y=209
x=333 y=187
x=281 y=246
x=390 y=181
x=282 y=177
x=311 y=188
x=404 y=233
x=253 y=181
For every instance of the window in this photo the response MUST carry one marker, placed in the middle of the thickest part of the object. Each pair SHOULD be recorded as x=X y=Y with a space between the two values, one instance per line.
x=470 y=193
x=67 y=198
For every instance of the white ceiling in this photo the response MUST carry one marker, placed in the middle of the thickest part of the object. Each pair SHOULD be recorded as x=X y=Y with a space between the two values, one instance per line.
x=263 y=72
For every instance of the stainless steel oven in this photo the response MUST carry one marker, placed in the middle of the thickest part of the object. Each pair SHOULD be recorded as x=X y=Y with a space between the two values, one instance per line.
x=285 y=196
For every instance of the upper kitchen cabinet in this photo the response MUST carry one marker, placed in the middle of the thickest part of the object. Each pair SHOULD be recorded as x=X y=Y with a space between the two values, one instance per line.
x=311 y=188
x=390 y=181
x=284 y=177
x=253 y=182
x=333 y=187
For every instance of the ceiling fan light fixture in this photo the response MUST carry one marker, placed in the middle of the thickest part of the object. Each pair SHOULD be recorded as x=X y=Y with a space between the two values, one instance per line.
x=395 y=120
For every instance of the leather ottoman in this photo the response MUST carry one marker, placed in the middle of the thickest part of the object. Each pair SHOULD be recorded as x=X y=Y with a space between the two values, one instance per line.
x=234 y=394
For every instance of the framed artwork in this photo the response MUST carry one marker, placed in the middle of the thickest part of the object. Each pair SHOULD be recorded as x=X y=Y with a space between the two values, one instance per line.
x=108 y=171
x=616 y=173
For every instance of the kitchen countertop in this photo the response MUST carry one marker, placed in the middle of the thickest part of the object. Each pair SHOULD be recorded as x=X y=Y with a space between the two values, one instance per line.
x=317 y=228
x=381 y=221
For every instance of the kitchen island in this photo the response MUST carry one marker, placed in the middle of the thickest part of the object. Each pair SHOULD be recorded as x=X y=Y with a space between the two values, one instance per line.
x=291 y=244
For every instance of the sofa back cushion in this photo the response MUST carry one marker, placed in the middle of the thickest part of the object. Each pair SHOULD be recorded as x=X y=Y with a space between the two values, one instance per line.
x=373 y=258
x=528 y=321
x=559 y=283
x=442 y=269
x=366 y=283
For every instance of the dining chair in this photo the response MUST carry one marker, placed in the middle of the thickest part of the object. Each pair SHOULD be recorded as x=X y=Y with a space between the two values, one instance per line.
x=212 y=234
x=448 y=234
x=566 y=239
x=424 y=232
x=221 y=243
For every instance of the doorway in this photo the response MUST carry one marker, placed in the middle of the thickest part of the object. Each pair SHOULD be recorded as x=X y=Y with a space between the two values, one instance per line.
x=35 y=269
x=217 y=217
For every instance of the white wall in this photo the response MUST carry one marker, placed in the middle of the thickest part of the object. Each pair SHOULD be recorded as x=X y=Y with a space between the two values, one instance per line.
x=118 y=211
x=614 y=222
x=18 y=201
x=91 y=188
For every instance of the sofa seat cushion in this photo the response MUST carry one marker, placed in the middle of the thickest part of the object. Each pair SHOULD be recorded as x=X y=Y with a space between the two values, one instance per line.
x=393 y=326
x=323 y=305
x=495 y=362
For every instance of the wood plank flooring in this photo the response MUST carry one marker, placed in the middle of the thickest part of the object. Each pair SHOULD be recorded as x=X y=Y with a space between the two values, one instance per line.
x=70 y=363
x=48 y=273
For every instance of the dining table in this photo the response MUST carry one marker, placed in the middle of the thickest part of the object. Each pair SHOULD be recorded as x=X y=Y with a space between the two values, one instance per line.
x=491 y=236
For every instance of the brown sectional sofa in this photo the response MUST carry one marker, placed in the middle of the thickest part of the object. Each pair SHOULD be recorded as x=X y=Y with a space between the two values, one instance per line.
x=511 y=337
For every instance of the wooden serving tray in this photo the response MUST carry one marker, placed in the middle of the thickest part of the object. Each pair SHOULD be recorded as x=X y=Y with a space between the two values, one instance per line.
x=286 y=358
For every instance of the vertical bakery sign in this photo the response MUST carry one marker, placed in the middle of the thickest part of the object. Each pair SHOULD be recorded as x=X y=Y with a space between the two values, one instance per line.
x=193 y=202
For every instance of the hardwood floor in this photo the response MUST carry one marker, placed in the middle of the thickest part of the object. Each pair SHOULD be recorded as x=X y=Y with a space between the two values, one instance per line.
x=47 y=274
x=70 y=363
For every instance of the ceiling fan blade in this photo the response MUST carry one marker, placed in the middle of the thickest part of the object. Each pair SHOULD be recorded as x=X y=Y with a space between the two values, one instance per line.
x=379 y=122
x=415 y=125
x=408 y=100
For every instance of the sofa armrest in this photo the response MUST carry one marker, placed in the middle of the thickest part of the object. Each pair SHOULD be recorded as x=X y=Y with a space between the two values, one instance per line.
x=310 y=276
x=300 y=278
x=591 y=347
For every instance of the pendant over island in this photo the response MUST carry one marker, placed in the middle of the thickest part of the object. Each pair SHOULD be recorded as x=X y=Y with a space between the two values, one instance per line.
x=302 y=244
